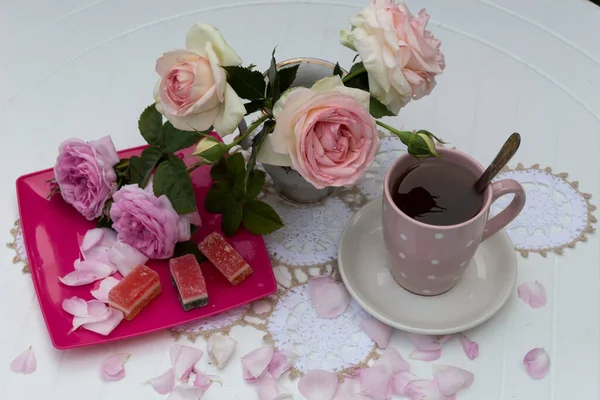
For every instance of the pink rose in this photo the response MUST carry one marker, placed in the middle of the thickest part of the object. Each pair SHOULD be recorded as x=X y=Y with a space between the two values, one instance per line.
x=401 y=57
x=148 y=223
x=327 y=131
x=85 y=175
x=193 y=92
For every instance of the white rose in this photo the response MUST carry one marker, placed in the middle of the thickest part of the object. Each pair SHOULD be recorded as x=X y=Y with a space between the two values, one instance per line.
x=192 y=92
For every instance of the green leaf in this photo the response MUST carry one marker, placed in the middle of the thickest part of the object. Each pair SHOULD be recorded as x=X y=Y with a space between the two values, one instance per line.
x=378 y=109
x=150 y=124
x=287 y=76
x=193 y=229
x=232 y=217
x=176 y=139
x=248 y=84
x=215 y=199
x=218 y=172
x=256 y=180
x=104 y=222
x=260 y=218
x=273 y=77
x=235 y=165
x=140 y=168
x=337 y=70
x=254 y=105
x=189 y=247
x=360 y=81
x=173 y=180
x=257 y=143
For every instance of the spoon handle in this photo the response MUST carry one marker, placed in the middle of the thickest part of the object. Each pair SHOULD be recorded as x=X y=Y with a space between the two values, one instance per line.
x=508 y=150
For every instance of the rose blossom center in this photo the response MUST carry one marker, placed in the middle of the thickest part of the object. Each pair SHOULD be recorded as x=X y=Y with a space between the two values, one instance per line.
x=188 y=81
x=335 y=137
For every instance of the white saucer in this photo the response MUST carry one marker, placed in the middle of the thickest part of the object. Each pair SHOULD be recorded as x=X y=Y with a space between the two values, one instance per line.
x=481 y=292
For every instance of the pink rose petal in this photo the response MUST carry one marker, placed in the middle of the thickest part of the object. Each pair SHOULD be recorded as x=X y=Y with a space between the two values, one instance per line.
x=424 y=355
x=445 y=339
x=379 y=332
x=164 y=383
x=267 y=388
x=101 y=293
x=99 y=250
x=183 y=359
x=537 y=362
x=394 y=359
x=280 y=364
x=25 y=362
x=113 y=369
x=220 y=348
x=400 y=380
x=425 y=342
x=349 y=389
x=75 y=306
x=318 y=385
x=533 y=293
x=185 y=393
x=255 y=363
x=203 y=381
x=375 y=381
x=424 y=390
x=451 y=379
x=91 y=239
x=329 y=298
x=471 y=348
x=86 y=272
x=125 y=258
x=108 y=325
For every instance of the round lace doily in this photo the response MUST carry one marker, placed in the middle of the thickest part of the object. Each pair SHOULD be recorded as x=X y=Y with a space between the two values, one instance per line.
x=556 y=214
x=18 y=246
x=311 y=233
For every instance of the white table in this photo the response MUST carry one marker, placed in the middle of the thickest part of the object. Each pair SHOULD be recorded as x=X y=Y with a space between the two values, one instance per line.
x=85 y=69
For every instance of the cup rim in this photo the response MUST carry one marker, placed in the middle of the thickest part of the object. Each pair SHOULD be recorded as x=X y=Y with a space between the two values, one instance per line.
x=484 y=207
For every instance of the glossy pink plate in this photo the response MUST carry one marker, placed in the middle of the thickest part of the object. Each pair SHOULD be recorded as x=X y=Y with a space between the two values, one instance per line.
x=52 y=230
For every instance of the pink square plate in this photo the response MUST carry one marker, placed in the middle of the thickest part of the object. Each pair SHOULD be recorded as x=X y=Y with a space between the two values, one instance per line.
x=52 y=230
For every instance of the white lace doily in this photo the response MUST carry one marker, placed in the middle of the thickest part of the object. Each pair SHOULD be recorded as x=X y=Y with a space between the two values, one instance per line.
x=18 y=245
x=371 y=184
x=327 y=344
x=556 y=213
x=214 y=323
x=311 y=233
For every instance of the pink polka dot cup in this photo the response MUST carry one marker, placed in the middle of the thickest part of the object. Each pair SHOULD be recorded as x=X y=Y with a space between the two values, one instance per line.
x=428 y=259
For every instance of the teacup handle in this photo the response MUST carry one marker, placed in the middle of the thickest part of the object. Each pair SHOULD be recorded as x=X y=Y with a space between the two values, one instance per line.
x=505 y=217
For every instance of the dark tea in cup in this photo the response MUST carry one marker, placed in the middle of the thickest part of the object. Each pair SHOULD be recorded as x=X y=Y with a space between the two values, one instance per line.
x=438 y=192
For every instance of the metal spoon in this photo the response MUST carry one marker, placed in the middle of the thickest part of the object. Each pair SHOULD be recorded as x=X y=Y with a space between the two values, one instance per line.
x=508 y=150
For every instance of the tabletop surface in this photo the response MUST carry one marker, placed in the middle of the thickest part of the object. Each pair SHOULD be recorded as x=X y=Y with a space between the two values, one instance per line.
x=76 y=68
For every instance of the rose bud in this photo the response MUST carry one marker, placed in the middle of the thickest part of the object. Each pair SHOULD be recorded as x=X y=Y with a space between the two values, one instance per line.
x=209 y=150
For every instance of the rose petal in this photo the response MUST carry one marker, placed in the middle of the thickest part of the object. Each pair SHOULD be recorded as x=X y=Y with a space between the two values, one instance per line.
x=25 y=362
x=75 y=306
x=113 y=369
x=451 y=379
x=96 y=311
x=445 y=339
x=375 y=381
x=533 y=293
x=394 y=359
x=318 y=385
x=125 y=258
x=203 y=381
x=424 y=355
x=185 y=393
x=183 y=359
x=101 y=293
x=99 y=250
x=220 y=349
x=400 y=380
x=164 y=383
x=349 y=389
x=425 y=342
x=424 y=390
x=471 y=348
x=91 y=238
x=379 y=332
x=329 y=298
x=267 y=388
x=255 y=363
x=107 y=326
x=86 y=272
x=537 y=362
x=281 y=363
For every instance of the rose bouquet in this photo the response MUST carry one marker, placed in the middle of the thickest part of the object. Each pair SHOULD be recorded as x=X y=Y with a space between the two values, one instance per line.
x=326 y=132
